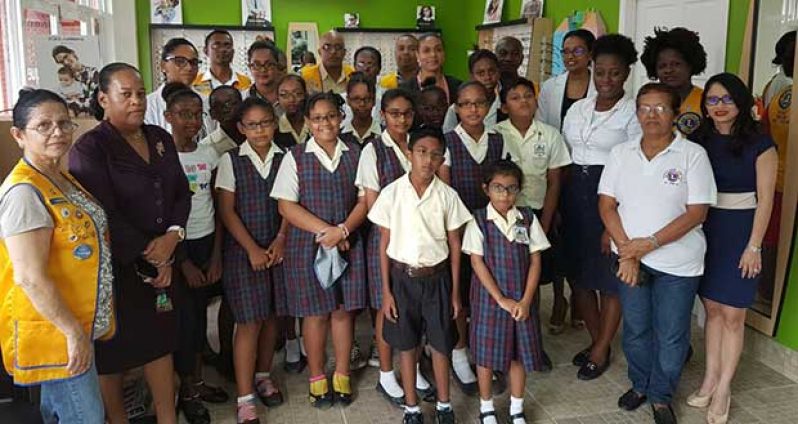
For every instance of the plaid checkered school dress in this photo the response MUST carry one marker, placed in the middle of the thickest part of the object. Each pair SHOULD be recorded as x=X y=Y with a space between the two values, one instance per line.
x=467 y=173
x=350 y=138
x=496 y=338
x=253 y=296
x=388 y=169
x=331 y=197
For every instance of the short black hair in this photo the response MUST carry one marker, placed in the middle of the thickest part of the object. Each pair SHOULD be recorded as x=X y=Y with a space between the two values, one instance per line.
x=174 y=92
x=324 y=96
x=586 y=36
x=674 y=99
x=253 y=103
x=264 y=45
x=468 y=84
x=294 y=77
x=687 y=43
x=425 y=131
x=518 y=82
x=616 y=45
x=219 y=89
x=30 y=99
x=782 y=47
x=105 y=77
x=502 y=167
x=59 y=49
x=356 y=78
x=217 y=31
x=479 y=55
x=397 y=93
x=173 y=44
x=369 y=49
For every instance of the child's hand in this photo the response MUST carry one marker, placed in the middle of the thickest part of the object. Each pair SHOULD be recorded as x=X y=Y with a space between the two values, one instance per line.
x=456 y=306
x=258 y=259
x=194 y=276
x=276 y=251
x=521 y=311
x=330 y=237
x=214 y=272
x=389 y=307
x=507 y=304
x=343 y=246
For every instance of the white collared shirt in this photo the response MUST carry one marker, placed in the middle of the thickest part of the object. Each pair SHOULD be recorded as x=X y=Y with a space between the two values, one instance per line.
x=651 y=194
x=367 y=175
x=473 y=238
x=552 y=93
x=328 y=83
x=375 y=111
x=225 y=177
x=286 y=185
x=542 y=148
x=419 y=225
x=220 y=141
x=591 y=135
x=375 y=130
x=450 y=121
x=478 y=149
x=284 y=126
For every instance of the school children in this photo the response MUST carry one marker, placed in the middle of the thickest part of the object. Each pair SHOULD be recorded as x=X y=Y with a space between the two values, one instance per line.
x=316 y=193
x=504 y=243
x=483 y=67
x=419 y=219
x=253 y=253
x=201 y=265
x=292 y=127
x=360 y=97
x=468 y=149
x=382 y=161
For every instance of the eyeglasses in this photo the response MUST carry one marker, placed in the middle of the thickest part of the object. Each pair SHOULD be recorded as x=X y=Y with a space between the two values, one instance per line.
x=365 y=65
x=497 y=188
x=360 y=100
x=189 y=116
x=333 y=48
x=182 y=62
x=467 y=105
x=268 y=66
x=433 y=155
x=397 y=114
x=659 y=110
x=320 y=119
x=285 y=95
x=576 y=51
x=716 y=100
x=484 y=73
x=222 y=45
x=47 y=128
x=254 y=126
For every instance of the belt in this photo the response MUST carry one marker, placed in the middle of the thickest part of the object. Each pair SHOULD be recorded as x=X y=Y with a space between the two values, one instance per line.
x=736 y=201
x=419 y=271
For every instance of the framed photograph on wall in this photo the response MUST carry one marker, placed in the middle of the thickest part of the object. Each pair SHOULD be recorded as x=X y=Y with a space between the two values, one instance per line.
x=256 y=13
x=351 y=20
x=303 y=37
x=493 y=11
x=425 y=16
x=166 y=12
x=532 y=9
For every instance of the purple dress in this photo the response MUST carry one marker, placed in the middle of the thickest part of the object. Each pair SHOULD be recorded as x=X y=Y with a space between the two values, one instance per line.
x=141 y=200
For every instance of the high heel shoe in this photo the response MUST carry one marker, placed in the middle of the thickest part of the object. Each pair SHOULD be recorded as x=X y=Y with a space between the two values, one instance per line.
x=713 y=418
x=696 y=400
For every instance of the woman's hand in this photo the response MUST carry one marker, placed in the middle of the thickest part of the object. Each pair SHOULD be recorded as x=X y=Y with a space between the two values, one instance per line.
x=79 y=351
x=160 y=249
x=259 y=259
x=164 y=278
x=750 y=263
x=635 y=249
x=389 y=307
x=276 y=251
x=329 y=237
x=194 y=276
x=628 y=271
x=214 y=272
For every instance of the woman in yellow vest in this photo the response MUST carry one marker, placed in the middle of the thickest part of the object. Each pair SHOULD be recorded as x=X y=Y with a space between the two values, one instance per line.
x=673 y=57
x=55 y=267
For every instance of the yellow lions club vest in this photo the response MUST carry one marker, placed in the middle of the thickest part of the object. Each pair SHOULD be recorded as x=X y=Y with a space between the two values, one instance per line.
x=779 y=123
x=690 y=112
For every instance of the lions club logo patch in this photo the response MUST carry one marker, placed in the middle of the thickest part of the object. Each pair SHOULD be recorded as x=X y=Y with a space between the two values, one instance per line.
x=673 y=176
x=687 y=122
x=785 y=99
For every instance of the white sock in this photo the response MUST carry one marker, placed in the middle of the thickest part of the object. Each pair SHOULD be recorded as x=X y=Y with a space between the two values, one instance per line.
x=302 y=346
x=516 y=405
x=412 y=409
x=442 y=406
x=262 y=375
x=247 y=398
x=462 y=367
x=389 y=383
x=487 y=406
x=292 y=350
x=421 y=382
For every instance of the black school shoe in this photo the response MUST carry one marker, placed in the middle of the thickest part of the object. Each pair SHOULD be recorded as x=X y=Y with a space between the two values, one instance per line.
x=469 y=389
x=484 y=415
x=428 y=395
x=511 y=419
x=296 y=367
x=324 y=401
x=413 y=418
x=194 y=410
x=663 y=415
x=582 y=357
x=344 y=399
x=630 y=400
x=444 y=416
x=396 y=401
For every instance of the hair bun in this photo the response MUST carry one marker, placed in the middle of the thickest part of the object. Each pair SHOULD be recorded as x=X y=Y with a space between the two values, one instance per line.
x=26 y=91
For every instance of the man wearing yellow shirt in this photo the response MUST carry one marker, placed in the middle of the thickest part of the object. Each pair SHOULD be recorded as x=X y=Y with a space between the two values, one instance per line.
x=220 y=52
x=406 y=63
x=331 y=74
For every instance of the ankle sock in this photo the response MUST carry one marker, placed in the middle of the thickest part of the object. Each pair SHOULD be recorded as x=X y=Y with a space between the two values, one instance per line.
x=421 y=382
x=442 y=406
x=462 y=367
x=246 y=398
x=341 y=383
x=415 y=409
x=389 y=383
x=262 y=376
x=292 y=350
x=318 y=385
x=487 y=406
x=516 y=407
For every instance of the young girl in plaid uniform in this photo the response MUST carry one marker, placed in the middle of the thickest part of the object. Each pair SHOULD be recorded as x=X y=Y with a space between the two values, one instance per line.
x=253 y=253
x=317 y=195
x=505 y=244
x=469 y=147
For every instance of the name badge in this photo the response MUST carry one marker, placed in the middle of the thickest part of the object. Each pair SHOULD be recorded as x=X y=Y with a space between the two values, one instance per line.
x=521 y=234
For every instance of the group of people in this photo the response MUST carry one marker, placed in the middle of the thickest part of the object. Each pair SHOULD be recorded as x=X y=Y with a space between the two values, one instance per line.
x=441 y=206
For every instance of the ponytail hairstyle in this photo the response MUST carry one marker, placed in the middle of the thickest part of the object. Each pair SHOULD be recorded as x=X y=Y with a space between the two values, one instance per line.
x=175 y=92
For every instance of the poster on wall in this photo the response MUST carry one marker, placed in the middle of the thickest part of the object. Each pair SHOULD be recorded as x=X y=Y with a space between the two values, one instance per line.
x=303 y=38
x=493 y=11
x=256 y=13
x=70 y=67
x=166 y=12
x=425 y=16
x=532 y=9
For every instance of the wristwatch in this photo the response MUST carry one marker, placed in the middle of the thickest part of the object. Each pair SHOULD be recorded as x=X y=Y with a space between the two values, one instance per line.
x=181 y=232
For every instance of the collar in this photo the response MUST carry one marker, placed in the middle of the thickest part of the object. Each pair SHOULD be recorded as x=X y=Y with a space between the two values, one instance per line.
x=323 y=73
x=284 y=126
x=218 y=134
x=374 y=129
x=513 y=215
x=246 y=150
x=234 y=78
x=590 y=104
x=388 y=140
x=466 y=137
x=312 y=147
x=406 y=184
x=535 y=127
x=677 y=145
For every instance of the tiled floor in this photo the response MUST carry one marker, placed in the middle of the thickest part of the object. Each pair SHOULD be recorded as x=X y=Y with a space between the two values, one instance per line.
x=760 y=394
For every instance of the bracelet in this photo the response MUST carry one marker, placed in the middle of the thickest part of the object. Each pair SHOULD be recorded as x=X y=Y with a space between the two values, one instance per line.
x=345 y=230
x=653 y=240
x=755 y=249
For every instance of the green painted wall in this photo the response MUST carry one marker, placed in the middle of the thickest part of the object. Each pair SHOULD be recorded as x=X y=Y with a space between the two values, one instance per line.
x=787 y=331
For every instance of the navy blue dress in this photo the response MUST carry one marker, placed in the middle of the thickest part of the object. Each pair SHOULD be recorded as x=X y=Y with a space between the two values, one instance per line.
x=727 y=231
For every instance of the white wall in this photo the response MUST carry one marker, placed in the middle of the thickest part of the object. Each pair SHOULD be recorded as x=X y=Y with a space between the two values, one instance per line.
x=123 y=43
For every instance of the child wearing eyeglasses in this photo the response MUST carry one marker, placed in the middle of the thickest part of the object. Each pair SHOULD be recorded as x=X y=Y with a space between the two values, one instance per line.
x=254 y=248
x=316 y=193
x=468 y=149
x=504 y=242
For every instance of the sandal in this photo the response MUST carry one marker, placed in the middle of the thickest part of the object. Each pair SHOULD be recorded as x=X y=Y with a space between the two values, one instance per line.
x=268 y=393
x=211 y=394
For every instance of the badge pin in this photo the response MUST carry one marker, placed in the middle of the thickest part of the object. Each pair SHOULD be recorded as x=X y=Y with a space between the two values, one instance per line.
x=82 y=252
x=521 y=234
x=78 y=214
x=65 y=213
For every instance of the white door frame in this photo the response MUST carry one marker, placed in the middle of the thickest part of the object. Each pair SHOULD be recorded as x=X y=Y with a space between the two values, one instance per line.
x=627 y=18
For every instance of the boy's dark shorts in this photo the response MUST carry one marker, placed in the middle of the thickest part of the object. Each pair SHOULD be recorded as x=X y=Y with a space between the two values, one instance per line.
x=424 y=306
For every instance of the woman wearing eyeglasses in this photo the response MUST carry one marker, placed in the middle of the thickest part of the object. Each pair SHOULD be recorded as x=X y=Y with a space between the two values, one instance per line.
x=673 y=57
x=654 y=194
x=264 y=64
x=558 y=94
x=56 y=281
x=179 y=63
x=744 y=162
x=134 y=172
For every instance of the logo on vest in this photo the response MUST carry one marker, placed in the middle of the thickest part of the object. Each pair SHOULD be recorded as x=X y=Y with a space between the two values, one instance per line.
x=82 y=252
x=785 y=99
x=539 y=150
x=687 y=122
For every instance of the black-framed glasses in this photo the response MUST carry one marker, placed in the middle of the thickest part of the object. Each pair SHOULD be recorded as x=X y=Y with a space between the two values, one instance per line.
x=478 y=104
x=254 y=126
x=716 y=100
x=333 y=48
x=319 y=119
x=262 y=67
x=503 y=189
x=47 y=128
x=183 y=62
x=360 y=100
x=396 y=114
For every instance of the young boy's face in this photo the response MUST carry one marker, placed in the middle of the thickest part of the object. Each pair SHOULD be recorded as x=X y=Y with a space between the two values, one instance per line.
x=65 y=80
x=486 y=71
x=432 y=108
x=502 y=192
x=426 y=157
x=520 y=103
